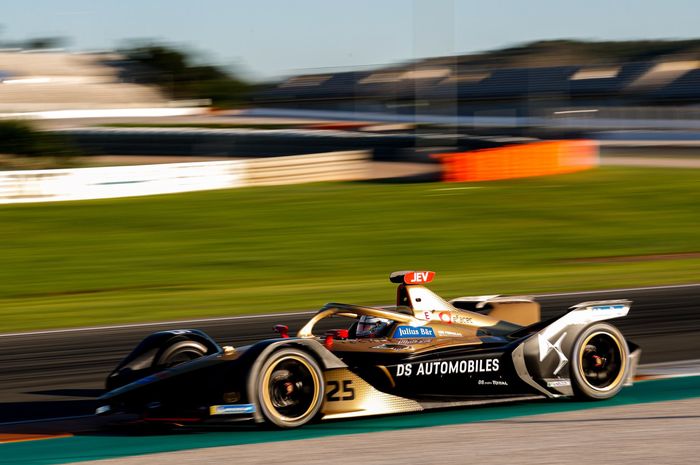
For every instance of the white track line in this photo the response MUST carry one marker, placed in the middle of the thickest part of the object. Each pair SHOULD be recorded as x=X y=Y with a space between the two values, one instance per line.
x=627 y=289
x=283 y=314
x=157 y=323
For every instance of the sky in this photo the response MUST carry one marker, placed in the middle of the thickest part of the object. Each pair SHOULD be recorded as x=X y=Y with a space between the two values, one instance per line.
x=267 y=39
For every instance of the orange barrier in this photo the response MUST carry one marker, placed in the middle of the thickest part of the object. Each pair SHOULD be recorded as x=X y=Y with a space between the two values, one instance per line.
x=520 y=161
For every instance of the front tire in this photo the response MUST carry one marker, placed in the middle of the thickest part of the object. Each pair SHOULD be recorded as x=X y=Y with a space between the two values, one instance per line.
x=178 y=353
x=290 y=388
x=600 y=362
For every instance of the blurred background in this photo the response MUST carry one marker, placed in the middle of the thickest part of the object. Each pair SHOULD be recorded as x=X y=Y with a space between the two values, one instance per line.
x=229 y=166
x=310 y=148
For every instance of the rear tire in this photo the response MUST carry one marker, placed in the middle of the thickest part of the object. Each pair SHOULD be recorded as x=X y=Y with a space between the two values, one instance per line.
x=290 y=388
x=600 y=362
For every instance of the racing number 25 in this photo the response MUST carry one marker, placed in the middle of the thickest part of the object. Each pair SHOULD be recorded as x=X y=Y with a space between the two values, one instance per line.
x=339 y=391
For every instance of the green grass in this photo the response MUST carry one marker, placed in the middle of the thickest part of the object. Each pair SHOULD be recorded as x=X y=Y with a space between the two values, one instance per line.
x=272 y=249
x=692 y=153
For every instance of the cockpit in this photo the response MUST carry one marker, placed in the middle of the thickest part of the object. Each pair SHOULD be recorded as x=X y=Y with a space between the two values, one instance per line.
x=368 y=326
x=415 y=306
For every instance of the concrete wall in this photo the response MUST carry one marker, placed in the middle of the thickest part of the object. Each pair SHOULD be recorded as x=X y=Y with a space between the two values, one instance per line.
x=127 y=181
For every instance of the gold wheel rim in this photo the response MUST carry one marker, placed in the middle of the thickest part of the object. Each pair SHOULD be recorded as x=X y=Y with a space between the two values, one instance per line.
x=266 y=391
x=623 y=362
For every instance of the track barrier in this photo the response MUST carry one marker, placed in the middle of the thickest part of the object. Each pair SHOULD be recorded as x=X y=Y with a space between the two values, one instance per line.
x=168 y=178
x=520 y=161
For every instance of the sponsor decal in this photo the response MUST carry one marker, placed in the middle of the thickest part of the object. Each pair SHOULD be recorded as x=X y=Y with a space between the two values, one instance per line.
x=413 y=332
x=447 y=317
x=492 y=382
x=449 y=333
x=448 y=368
x=444 y=317
x=461 y=319
x=418 y=277
x=546 y=347
x=558 y=383
x=608 y=310
x=603 y=308
x=340 y=390
x=412 y=341
x=231 y=409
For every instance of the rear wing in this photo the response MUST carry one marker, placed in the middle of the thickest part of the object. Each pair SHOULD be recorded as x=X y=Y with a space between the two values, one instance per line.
x=520 y=310
x=597 y=310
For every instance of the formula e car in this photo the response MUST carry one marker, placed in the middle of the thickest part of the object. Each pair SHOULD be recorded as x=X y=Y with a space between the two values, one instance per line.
x=422 y=353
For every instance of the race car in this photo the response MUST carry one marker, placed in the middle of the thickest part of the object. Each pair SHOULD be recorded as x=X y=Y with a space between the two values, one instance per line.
x=422 y=353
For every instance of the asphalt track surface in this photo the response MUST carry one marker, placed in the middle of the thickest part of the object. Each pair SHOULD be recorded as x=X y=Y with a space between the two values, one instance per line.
x=60 y=373
x=659 y=433
x=651 y=422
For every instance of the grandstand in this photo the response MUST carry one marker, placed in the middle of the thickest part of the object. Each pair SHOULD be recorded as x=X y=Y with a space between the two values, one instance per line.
x=57 y=80
x=438 y=87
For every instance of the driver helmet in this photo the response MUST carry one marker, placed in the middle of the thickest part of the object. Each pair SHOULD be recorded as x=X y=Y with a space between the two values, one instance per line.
x=372 y=326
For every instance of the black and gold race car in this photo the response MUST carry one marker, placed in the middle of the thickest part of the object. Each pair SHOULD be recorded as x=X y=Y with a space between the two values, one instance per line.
x=422 y=353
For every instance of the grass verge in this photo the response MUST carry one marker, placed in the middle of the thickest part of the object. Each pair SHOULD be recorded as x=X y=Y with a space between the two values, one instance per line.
x=295 y=247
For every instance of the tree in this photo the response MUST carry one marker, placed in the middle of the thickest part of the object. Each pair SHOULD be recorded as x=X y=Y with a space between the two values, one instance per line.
x=20 y=138
x=174 y=71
